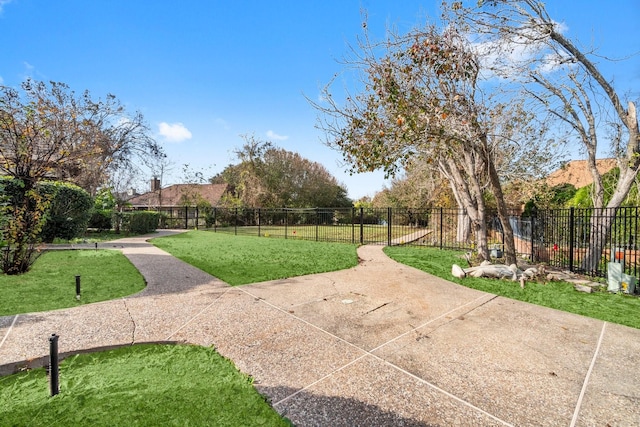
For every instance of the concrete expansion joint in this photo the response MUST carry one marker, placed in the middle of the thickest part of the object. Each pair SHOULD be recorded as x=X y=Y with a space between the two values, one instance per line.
x=587 y=377
x=194 y=317
x=459 y=317
x=6 y=335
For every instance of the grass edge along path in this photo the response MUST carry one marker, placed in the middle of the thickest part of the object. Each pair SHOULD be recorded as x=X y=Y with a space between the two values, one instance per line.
x=51 y=284
x=143 y=385
x=613 y=308
x=239 y=260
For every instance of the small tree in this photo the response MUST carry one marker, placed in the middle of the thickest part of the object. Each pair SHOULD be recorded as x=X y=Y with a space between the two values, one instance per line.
x=48 y=131
x=26 y=213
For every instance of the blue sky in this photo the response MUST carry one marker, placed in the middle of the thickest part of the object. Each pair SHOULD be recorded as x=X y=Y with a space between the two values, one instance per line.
x=205 y=72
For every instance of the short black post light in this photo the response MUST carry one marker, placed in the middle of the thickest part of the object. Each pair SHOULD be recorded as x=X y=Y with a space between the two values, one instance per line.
x=78 y=288
x=54 y=370
x=96 y=243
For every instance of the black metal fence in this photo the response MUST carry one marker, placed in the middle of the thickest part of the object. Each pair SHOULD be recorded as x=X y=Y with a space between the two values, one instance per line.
x=563 y=237
x=560 y=238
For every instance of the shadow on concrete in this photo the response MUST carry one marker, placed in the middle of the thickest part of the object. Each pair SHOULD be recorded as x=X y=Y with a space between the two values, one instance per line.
x=308 y=409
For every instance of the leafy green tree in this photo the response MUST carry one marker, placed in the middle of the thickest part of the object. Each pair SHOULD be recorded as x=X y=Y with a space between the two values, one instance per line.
x=271 y=177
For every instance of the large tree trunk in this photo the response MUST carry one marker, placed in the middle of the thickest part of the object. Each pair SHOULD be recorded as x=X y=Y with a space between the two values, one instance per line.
x=463 y=229
x=469 y=197
x=601 y=220
x=629 y=168
x=503 y=214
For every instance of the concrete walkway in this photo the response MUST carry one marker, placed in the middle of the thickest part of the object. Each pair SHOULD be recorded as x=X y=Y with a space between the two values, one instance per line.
x=381 y=344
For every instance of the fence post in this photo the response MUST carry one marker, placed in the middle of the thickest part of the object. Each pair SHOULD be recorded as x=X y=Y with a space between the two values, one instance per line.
x=235 y=223
x=317 y=222
x=533 y=233
x=571 y=236
x=353 y=225
x=388 y=226
x=259 y=221
x=441 y=227
x=361 y=225
x=215 y=219
x=197 y=218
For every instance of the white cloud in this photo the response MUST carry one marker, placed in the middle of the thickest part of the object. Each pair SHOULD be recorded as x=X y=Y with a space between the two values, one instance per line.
x=272 y=135
x=509 y=55
x=174 y=132
x=3 y=3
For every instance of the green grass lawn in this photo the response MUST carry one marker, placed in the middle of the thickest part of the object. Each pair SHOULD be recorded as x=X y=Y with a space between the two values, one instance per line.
x=239 y=260
x=347 y=233
x=51 y=283
x=143 y=385
x=614 y=308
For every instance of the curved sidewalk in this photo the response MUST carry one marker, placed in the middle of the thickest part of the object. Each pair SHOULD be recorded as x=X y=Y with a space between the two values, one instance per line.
x=380 y=344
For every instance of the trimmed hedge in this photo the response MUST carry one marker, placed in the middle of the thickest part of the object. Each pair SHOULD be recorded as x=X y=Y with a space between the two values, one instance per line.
x=101 y=219
x=141 y=222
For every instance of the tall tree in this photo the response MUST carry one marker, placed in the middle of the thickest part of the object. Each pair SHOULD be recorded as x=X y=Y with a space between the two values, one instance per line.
x=528 y=46
x=47 y=131
x=422 y=101
x=271 y=177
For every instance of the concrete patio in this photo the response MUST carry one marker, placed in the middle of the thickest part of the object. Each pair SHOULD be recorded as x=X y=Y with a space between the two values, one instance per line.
x=380 y=344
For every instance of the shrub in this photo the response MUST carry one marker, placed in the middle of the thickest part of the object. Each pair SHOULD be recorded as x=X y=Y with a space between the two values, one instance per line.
x=101 y=219
x=24 y=211
x=68 y=207
x=69 y=212
x=141 y=222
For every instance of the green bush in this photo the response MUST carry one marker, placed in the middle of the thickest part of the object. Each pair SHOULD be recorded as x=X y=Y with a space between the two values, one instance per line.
x=141 y=222
x=101 y=219
x=69 y=213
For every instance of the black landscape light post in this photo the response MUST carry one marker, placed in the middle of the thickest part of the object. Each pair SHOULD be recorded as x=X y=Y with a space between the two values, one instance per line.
x=78 y=288
x=54 y=371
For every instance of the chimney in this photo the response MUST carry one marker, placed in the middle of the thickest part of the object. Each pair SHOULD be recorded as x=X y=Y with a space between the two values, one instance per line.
x=155 y=184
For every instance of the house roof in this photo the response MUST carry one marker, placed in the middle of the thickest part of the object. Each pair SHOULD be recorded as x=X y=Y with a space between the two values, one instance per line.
x=577 y=173
x=180 y=195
